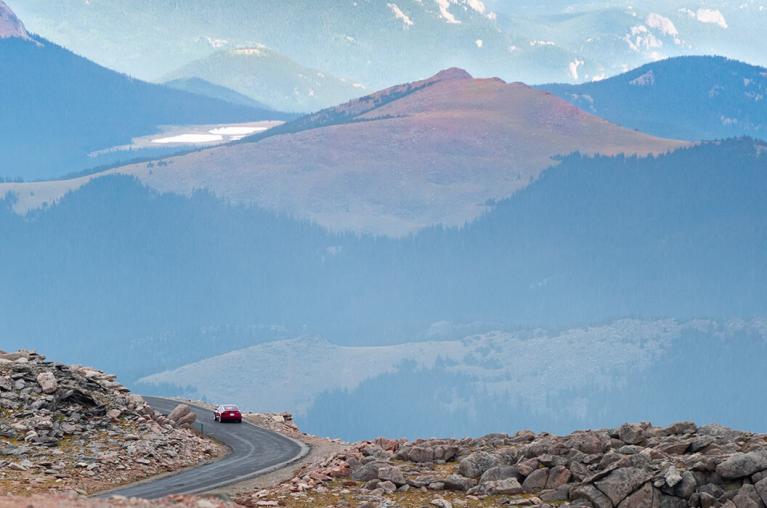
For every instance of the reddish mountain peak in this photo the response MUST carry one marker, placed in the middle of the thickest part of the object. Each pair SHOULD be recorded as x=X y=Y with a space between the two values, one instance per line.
x=453 y=73
x=10 y=25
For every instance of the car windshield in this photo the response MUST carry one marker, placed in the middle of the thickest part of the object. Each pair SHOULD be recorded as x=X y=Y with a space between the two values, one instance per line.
x=231 y=408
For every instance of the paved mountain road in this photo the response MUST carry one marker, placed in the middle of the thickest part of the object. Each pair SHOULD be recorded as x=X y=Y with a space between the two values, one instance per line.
x=255 y=451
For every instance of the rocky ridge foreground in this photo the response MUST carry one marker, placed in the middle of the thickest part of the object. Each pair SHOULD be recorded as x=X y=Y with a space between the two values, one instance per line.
x=66 y=427
x=634 y=466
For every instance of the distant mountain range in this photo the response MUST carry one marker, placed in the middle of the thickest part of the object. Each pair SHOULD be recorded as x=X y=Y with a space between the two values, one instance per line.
x=381 y=43
x=686 y=98
x=57 y=107
x=432 y=152
x=201 y=87
x=269 y=78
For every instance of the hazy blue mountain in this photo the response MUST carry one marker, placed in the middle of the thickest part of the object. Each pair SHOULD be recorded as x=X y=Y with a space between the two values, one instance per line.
x=201 y=87
x=57 y=108
x=140 y=282
x=380 y=43
x=693 y=98
x=534 y=386
x=269 y=77
x=606 y=373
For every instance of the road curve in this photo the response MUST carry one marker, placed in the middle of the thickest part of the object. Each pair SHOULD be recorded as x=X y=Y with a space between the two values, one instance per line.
x=254 y=451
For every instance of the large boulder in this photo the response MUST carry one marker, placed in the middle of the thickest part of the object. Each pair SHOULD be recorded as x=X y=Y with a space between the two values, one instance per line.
x=747 y=497
x=631 y=433
x=47 y=382
x=187 y=420
x=458 y=482
x=589 y=441
x=591 y=494
x=645 y=497
x=477 y=463
x=743 y=464
x=179 y=412
x=509 y=487
x=558 y=476
x=622 y=482
x=536 y=480
x=761 y=489
x=392 y=474
x=418 y=454
x=500 y=473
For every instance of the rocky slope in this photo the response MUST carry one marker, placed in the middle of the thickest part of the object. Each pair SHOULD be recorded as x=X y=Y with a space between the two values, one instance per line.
x=635 y=465
x=66 y=427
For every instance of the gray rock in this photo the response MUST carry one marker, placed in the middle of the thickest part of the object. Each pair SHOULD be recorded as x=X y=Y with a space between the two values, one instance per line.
x=388 y=487
x=187 y=420
x=761 y=489
x=707 y=500
x=685 y=487
x=558 y=476
x=477 y=463
x=591 y=494
x=418 y=454
x=743 y=464
x=500 y=473
x=47 y=382
x=589 y=442
x=682 y=428
x=509 y=486
x=622 y=482
x=631 y=433
x=368 y=471
x=458 y=482
x=536 y=480
x=646 y=497
x=747 y=497
x=672 y=502
x=179 y=412
x=391 y=474
x=441 y=503
x=672 y=476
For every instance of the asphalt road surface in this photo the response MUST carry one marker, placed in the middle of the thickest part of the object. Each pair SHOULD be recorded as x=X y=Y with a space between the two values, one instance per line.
x=255 y=451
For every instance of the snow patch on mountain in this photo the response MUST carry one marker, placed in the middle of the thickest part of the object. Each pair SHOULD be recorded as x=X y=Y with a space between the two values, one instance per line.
x=708 y=16
x=573 y=68
x=444 y=12
x=664 y=25
x=400 y=15
x=646 y=79
x=641 y=38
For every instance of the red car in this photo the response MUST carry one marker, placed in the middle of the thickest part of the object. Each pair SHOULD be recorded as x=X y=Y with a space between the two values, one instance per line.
x=227 y=413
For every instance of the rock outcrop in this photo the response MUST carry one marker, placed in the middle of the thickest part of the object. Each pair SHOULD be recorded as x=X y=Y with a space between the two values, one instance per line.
x=67 y=426
x=633 y=466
